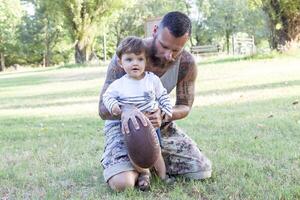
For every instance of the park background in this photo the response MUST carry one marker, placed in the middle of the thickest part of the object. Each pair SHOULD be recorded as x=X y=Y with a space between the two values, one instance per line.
x=246 y=119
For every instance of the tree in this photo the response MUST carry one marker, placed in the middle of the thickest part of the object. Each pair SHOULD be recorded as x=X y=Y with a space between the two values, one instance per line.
x=52 y=28
x=284 y=20
x=131 y=18
x=10 y=15
x=83 y=18
x=219 y=19
x=40 y=32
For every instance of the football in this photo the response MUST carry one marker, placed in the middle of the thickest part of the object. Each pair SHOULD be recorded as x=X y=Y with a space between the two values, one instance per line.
x=143 y=145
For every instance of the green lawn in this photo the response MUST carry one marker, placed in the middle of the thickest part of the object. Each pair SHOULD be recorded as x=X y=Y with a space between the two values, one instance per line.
x=246 y=118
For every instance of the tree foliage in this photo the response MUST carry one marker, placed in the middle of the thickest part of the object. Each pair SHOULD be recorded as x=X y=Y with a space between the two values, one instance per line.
x=130 y=20
x=220 y=19
x=57 y=30
x=83 y=18
x=42 y=36
x=284 y=20
x=10 y=17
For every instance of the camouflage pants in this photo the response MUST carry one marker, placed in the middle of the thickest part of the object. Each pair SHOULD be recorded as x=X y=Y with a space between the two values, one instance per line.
x=181 y=154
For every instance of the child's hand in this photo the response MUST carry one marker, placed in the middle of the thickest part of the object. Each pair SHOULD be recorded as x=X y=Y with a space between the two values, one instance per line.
x=116 y=110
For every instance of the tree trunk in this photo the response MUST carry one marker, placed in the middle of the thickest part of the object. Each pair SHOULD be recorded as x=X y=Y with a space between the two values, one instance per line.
x=289 y=31
x=2 y=62
x=281 y=35
x=294 y=28
x=47 y=55
x=227 y=34
x=80 y=54
x=83 y=50
x=272 y=41
x=47 y=46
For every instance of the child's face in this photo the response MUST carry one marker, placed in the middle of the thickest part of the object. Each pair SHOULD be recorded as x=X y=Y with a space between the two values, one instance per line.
x=134 y=65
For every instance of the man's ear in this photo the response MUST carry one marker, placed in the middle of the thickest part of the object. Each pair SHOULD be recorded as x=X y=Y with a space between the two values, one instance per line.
x=155 y=30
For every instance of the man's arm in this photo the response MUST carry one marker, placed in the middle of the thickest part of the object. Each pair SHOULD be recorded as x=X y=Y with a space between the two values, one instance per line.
x=185 y=89
x=114 y=72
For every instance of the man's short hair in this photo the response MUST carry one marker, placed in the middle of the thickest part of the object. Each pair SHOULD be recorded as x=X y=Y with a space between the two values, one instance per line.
x=131 y=44
x=177 y=22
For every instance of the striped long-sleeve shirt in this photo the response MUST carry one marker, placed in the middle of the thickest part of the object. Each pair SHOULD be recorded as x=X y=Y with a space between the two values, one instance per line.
x=146 y=94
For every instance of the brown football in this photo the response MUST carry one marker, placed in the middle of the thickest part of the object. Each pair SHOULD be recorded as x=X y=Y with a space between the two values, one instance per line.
x=143 y=145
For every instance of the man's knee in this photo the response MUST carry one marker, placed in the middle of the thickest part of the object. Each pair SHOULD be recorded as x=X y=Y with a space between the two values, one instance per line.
x=205 y=170
x=120 y=185
x=122 y=181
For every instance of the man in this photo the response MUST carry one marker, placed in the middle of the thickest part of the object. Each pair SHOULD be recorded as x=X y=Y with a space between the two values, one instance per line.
x=176 y=68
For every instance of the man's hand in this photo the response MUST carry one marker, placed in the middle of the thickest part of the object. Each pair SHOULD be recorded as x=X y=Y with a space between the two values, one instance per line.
x=165 y=117
x=131 y=113
x=116 y=110
x=155 y=118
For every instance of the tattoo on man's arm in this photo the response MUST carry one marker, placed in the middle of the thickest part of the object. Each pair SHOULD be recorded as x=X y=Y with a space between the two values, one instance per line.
x=185 y=93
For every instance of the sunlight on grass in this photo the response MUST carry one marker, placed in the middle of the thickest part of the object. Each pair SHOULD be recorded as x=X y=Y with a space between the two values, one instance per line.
x=246 y=119
x=66 y=92
x=248 y=96
x=75 y=91
x=246 y=81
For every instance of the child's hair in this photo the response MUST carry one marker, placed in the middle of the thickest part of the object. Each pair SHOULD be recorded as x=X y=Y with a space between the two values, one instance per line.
x=131 y=44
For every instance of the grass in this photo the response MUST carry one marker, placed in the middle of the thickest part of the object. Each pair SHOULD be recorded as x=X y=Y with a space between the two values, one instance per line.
x=293 y=53
x=245 y=118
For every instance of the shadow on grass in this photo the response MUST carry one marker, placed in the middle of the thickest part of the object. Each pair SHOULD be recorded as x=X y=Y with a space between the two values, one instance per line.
x=24 y=81
x=19 y=129
x=44 y=105
x=74 y=65
x=38 y=80
x=221 y=60
x=57 y=95
x=252 y=87
x=261 y=56
x=38 y=70
x=236 y=59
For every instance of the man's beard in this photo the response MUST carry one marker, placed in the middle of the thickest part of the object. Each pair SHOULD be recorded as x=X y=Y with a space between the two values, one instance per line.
x=157 y=62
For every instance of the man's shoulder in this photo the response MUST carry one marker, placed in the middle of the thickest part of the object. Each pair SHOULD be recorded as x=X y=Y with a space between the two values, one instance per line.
x=187 y=67
x=187 y=57
x=114 y=71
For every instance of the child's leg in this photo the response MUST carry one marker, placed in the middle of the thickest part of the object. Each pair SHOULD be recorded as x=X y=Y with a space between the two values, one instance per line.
x=143 y=181
x=139 y=169
x=160 y=167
